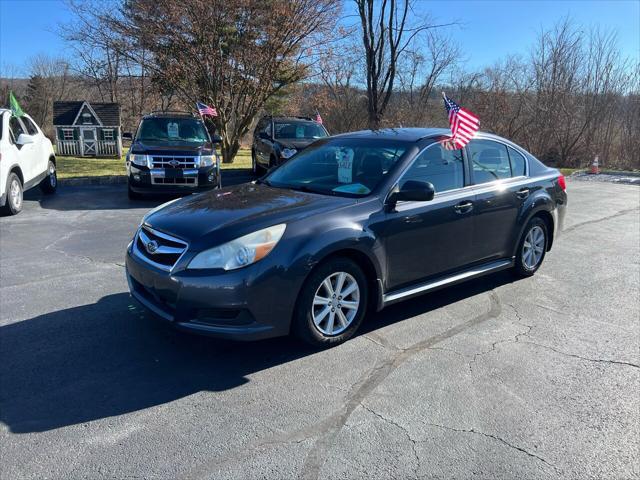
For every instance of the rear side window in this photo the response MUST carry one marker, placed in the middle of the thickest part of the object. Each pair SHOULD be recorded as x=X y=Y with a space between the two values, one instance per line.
x=31 y=128
x=16 y=127
x=443 y=168
x=489 y=161
x=518 y=163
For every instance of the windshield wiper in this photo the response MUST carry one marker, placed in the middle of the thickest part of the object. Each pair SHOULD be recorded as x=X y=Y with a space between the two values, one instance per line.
x=306 y=188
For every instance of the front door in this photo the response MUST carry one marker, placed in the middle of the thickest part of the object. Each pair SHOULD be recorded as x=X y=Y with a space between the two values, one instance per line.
x=88 y=141
x=426 y=239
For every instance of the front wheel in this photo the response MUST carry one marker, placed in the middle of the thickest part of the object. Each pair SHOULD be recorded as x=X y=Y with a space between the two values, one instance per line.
x=50 y=182
x=131 y=194
x=254 y=165
x=14 y=195
x=532 y=248
x=331 y=304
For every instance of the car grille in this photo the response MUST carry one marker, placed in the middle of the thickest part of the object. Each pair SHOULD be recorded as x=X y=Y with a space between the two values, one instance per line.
x=174 y=181
x=158 y=249
x=174 y=162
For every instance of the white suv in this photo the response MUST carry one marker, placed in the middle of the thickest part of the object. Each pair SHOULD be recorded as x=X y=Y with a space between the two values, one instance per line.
x=26 y=160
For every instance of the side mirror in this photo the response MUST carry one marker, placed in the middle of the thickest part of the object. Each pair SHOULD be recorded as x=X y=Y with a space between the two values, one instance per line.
x=412 y=190
x=127 y=136
x=264 y=136
x=215 y=138
x=23 y=139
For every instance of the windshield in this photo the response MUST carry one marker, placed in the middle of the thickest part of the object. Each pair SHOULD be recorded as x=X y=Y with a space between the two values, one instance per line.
x=295 y=130
x=339 y=166
x=178 y=130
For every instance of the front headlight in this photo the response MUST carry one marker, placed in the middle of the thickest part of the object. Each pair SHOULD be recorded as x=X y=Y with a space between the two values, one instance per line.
x=288 y=152
x=142 y=160
x=240 y=252
x=207 y=160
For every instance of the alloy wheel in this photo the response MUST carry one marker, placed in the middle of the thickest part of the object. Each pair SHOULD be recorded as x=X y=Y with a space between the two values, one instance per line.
x=15 y=190
x=533 y=247
x=336 y=303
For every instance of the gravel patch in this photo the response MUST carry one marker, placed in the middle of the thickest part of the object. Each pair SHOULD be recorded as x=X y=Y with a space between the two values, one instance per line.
x=630 y=178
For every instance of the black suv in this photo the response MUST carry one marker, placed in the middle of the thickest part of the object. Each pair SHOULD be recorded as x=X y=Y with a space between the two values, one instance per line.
x=277 y=139
x=172 y=153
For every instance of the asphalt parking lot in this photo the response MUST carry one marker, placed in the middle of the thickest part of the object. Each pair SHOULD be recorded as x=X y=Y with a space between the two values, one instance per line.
x=535 y=378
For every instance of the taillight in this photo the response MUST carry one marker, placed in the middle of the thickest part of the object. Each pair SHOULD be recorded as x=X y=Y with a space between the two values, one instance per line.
x=562 y=182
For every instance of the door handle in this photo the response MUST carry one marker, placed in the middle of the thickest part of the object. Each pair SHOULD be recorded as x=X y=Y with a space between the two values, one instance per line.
x=413 y=219
x=522 y=193
x=464 y=207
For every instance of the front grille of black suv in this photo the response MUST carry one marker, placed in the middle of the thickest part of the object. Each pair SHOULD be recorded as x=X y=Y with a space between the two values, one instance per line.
x=174 y=162
x=157 y=248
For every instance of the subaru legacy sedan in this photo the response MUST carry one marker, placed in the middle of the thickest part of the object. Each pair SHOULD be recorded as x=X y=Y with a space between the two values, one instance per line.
x=351 y=224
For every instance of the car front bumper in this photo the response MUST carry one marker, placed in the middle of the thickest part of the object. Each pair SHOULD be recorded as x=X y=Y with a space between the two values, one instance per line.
x=154 y=181
x=244 y=304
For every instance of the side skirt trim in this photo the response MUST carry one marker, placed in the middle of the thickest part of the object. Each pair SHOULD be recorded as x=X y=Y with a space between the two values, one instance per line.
x=441 y=282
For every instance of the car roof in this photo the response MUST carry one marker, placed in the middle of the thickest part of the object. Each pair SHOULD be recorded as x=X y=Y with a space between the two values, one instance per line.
x=404 y=134
x=410 y=134
x=291 y=119
x=171 y=115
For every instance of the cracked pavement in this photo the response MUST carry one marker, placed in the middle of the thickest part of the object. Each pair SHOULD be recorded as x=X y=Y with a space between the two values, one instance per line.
x=496 y=378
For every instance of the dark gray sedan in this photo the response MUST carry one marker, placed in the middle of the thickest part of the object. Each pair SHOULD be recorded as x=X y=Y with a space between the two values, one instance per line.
x=351 y=224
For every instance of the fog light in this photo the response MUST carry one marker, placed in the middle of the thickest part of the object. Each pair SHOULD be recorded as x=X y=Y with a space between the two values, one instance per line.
x=136 y=177
x=211 y=177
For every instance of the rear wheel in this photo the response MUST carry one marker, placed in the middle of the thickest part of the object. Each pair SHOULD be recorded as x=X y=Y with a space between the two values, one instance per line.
x=331 y=304
x=50 y=182
x=532 y=248
x=13 y=206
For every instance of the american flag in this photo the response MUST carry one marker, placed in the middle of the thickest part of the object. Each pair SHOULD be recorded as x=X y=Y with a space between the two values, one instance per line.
x=464 y=125
x=206 y=109
x=318 y=117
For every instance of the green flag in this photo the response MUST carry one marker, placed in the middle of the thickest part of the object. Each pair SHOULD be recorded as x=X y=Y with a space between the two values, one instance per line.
x=15 y=106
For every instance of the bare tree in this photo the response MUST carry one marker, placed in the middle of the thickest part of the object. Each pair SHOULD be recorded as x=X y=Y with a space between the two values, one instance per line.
x=388 y=29
x=49 y=81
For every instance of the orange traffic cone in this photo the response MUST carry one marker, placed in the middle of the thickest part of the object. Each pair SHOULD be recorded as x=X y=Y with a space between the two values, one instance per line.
x=595 y=166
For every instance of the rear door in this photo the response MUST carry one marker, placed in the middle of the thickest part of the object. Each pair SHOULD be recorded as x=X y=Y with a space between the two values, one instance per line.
x=498 y=170
x=263 y=149
x=425 y=239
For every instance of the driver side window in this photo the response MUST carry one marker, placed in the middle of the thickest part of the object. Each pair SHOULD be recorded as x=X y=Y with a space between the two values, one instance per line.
x=443 y=168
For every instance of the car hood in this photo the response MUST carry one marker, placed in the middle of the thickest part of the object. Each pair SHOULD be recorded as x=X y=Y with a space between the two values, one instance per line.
x=215 y=217
x=170 y=148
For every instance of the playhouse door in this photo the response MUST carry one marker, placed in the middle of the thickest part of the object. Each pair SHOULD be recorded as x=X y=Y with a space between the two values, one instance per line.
x=88 y=141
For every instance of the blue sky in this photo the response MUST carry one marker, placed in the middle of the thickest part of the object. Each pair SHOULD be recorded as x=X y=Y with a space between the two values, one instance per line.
x=489 y=30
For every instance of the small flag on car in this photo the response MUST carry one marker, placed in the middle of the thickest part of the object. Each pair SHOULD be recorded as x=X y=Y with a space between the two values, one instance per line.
x=318 y=117
x=463 y=123
x=204 y=109
x=16 y=110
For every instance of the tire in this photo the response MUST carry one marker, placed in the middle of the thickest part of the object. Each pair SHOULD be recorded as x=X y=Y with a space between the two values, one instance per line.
x=328 y=325
x=50 y=182
x=532 y=248
x=254 y=163
x=13 y=206
x=131 y=194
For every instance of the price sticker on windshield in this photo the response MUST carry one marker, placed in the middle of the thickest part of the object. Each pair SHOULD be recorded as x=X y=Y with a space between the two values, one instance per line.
x=344 y=158
x=172 y=130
